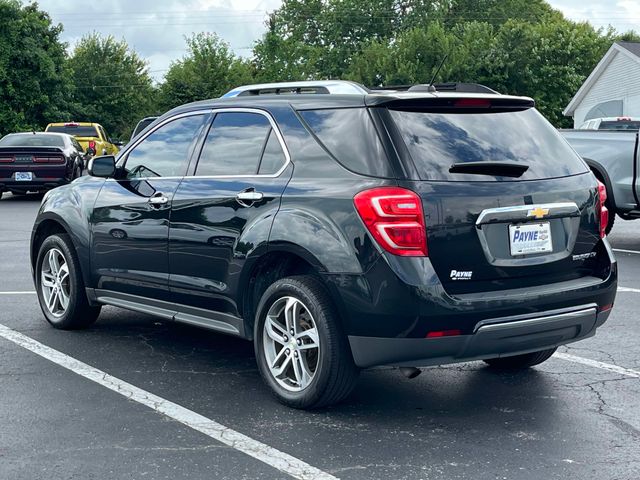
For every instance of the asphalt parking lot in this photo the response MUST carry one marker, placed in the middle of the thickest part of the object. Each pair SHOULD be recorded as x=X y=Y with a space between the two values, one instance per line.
x=137 y=397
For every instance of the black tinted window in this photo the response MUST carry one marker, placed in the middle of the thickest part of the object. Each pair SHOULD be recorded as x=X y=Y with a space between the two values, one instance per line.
x=76 y=131
x=234 y=144
x=620 y=125
x=350 y=136
x=37 y=140
x=166 y=151
x=438 y=140
x=273 y=157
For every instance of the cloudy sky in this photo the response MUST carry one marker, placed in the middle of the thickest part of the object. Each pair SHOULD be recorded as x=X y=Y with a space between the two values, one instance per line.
x=156 y=28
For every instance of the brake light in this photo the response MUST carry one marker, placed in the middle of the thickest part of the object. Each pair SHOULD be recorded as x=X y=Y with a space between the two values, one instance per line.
x=473 y=103
x=394 y=218
x=92 y=144
x=444 y=333
x=7 y=159
x=48 y=160
x=604 y=211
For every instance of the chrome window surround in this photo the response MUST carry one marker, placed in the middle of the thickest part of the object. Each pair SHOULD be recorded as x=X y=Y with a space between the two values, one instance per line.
x=125 y=152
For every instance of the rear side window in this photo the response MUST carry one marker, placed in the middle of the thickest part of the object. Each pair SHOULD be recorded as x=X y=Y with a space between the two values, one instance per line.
x=240 y=143
x=350 y=136
x=76 y=131
x=436 y=141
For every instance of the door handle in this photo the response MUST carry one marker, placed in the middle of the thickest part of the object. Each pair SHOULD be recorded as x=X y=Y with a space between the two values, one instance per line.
x=158 y=198
x=248 y=197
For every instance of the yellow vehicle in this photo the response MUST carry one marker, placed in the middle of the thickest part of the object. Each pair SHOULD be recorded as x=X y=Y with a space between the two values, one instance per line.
x=92 y=136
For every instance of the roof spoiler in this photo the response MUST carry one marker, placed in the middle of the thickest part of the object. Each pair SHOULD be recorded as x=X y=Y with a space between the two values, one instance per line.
x=440 y=87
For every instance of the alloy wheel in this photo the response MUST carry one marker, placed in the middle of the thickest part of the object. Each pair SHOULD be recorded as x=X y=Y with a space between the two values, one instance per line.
x=291 y=344
x=54 y=282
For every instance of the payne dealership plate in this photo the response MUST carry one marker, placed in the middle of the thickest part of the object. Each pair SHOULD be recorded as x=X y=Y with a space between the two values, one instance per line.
x=528 y=239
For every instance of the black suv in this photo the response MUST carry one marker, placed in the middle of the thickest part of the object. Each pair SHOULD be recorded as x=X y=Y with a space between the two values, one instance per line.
x=339 y=228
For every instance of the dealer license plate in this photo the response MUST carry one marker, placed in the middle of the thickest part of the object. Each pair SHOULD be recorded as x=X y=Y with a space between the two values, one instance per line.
x=24 y=176
x=530 y=238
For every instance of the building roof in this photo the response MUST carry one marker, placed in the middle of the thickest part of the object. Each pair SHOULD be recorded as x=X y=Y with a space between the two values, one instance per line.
x=633 y=47
x=630 y=49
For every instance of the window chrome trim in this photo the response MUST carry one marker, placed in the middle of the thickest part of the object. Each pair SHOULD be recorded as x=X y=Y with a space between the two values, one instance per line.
x=214 y=111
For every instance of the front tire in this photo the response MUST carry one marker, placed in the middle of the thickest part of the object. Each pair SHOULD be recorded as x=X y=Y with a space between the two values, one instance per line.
x=60 y=286
x=520 y=362
x=301 y=352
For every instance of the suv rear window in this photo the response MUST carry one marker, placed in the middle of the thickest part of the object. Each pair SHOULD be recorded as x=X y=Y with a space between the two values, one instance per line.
x=438 y=140
x=76 y=131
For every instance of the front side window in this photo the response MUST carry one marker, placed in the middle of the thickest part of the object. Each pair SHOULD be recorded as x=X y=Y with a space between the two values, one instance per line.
x=166 y=151
x=237 y=143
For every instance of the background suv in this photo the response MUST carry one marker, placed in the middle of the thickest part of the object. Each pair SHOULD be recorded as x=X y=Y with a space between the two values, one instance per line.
x=338 y=229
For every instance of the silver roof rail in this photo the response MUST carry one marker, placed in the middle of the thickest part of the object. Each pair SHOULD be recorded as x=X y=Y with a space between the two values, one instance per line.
x=305 y=87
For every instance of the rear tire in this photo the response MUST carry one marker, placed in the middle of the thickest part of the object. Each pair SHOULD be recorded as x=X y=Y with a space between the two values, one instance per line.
x=520 y=362
x=612 y=217
x=60 y=286
x=313 y=367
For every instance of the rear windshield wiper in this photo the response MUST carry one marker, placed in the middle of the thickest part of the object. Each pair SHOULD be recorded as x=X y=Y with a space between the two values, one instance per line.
x=497 y=169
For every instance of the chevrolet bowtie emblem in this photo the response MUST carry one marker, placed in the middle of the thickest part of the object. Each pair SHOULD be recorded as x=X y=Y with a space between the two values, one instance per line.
x=538 y=212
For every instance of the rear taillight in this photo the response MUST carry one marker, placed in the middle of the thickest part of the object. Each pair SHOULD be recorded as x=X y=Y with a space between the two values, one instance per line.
x=394 y=218
x=7 y=159
x=604 y=211
x=48 y=159
x=92 y=144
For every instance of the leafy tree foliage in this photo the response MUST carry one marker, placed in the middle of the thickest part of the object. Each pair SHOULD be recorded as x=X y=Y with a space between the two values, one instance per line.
x=514 y=46
x=112 y=84
x=34 y=81
x=209 y=70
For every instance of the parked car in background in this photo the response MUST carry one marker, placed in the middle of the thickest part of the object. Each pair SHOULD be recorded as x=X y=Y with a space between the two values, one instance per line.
x=92 y=136
x=409 y=232
x=35 y=162
x=142 y=124
x=612 y=123
x=613 y=158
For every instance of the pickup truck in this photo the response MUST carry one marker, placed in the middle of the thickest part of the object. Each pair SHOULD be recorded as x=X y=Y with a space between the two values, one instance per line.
x=613 y=158
x=92 y=136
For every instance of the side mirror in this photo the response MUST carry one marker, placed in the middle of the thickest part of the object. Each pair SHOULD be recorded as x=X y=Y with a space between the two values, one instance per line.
x=103 y=166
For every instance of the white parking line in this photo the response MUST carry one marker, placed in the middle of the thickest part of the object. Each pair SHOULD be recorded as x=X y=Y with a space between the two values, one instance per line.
x=594 y=363
x=269 y=455
x=626 y=251
x=18 y=293
x=627 y=289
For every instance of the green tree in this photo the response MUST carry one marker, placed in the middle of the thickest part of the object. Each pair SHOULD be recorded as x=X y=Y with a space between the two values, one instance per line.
x=209 y=70
x=34 y=81
x=112 y=84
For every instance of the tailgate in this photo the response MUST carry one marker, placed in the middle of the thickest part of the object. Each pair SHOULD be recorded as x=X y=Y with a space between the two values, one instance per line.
x=494 y=238
x=508 y=204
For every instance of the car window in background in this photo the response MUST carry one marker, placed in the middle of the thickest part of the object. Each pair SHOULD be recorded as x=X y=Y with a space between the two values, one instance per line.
x=620 y=125
x=37 y=140
x=234 y=144
x=166 y=152
x=76 y=131
x=438 y=140
x=142 y=124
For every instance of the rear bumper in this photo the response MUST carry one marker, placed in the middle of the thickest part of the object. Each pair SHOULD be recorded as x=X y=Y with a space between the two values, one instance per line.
x=43 y=179
x=492 y=338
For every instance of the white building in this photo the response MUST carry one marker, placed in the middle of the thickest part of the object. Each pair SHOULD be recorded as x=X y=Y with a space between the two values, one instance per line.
x=612 y=89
